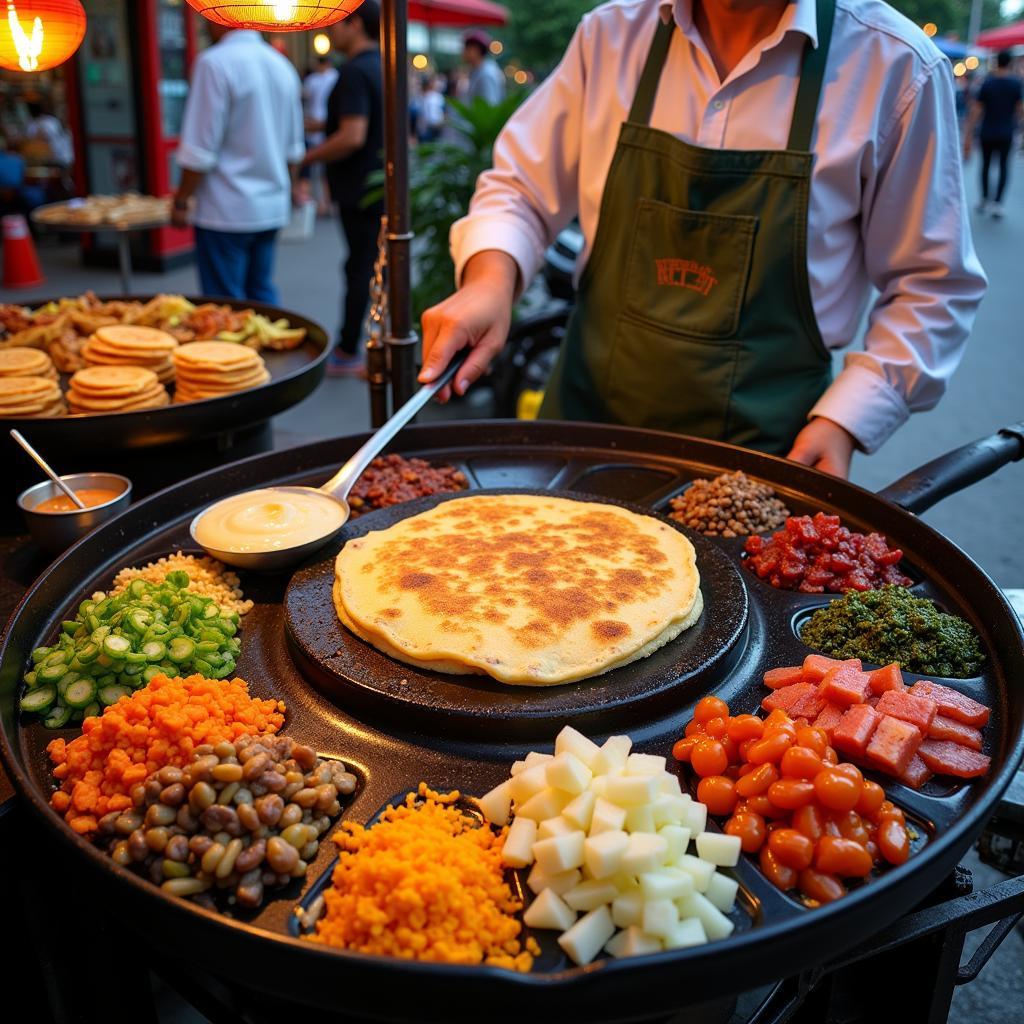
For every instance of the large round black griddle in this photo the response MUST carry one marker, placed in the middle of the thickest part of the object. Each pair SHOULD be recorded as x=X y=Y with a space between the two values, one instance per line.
x=294 y=375
x=355 y=673
x=393 y=743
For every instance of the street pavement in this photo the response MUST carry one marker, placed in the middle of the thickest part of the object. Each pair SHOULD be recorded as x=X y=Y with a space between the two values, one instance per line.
x=986 y=394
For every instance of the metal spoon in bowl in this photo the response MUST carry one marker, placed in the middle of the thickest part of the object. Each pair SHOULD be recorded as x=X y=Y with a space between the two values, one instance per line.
x=45 y=467
x=334 y=492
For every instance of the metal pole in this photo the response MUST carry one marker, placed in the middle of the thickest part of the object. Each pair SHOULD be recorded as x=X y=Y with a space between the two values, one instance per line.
x=974 y=25
x=400 y=339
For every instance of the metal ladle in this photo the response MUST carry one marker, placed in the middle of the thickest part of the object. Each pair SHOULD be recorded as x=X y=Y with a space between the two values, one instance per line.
x=336 y=489
x=45 y=467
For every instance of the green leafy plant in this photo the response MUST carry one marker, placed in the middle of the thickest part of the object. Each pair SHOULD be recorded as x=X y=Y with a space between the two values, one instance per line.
x=442 y=178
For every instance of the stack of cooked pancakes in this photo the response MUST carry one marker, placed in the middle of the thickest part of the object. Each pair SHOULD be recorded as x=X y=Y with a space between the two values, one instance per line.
x=26 y=362
x=30 y=397
x=532 y=590
x=102 y=389
x=132 y=345
x=211 y=369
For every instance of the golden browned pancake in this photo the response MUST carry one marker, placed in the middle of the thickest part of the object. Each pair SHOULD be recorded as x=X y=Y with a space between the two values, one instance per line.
x=530 y=589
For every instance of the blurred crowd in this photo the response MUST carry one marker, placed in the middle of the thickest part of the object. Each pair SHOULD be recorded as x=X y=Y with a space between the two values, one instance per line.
x=36 y=155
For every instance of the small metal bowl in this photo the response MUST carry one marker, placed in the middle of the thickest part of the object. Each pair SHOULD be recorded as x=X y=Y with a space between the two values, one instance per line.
x=56 y=531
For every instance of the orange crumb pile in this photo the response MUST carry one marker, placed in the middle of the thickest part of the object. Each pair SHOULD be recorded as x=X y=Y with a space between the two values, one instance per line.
x=424 y=883
x=158 y=725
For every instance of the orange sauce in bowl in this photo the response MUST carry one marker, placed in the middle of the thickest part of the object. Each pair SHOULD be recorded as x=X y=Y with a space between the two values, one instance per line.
x=89 y=496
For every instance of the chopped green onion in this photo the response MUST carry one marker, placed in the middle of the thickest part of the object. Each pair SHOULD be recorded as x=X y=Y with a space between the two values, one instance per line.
x=181 y=650
x=80 y=693
x=39 y=700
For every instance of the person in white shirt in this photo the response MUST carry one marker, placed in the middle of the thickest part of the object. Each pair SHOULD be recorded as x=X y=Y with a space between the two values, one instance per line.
x=776 y=160
x=485 y=77
x=239 y=151
x=316 y=88
x=430 y=118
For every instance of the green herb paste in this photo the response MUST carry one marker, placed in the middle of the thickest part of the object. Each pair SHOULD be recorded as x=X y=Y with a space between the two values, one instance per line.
x=890 y=624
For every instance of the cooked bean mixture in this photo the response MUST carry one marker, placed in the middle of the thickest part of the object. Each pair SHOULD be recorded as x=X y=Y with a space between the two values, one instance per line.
x=731 y=505
x=239 y=819
x=392 y=479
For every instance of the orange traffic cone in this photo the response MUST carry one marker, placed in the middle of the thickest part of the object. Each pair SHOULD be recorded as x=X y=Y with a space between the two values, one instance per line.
x=21 y=268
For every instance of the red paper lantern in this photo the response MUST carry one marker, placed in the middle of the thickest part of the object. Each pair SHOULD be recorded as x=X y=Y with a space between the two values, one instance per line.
x=39 y=34
x=276 y=17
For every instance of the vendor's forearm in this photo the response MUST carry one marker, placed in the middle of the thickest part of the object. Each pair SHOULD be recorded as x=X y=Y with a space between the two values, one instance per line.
x=496 y=269
x=335 y=148
x=190 y=181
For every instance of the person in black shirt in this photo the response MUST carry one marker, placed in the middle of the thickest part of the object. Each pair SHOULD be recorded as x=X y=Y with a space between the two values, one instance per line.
x=351 y=151
x=998 y=107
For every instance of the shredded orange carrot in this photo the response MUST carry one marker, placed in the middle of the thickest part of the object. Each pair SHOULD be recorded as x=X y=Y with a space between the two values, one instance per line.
x=159 y=725
x=424 y=883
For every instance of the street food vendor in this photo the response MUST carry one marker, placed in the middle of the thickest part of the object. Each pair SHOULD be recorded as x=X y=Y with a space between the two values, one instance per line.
x=775 y=162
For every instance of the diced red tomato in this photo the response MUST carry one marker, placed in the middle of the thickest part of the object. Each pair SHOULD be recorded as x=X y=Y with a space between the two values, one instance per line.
x=919 y=711
x=854 y=732
x=916 y=774
x=844 y=684
x=952 y=703
x=798 y=699
x=888 y=678
x=776 y=678
x=947 y=758
x=943 y=728
x=893 y=744
x=830 y=717
x=816 y=665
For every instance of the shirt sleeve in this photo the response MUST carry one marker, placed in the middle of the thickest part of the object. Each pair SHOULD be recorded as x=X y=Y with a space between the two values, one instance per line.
x=296 y=148
x=351 y=96
x=920 y=256
x=204 y=120
x=530 y=194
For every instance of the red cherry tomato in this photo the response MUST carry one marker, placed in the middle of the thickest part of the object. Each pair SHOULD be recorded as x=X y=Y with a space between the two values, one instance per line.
x=816 y=885
x=708 y=708
x=815 y=739
x=776 y=718
x=844 y=857
x=800 y=763
x=851 y=771
x=683 y=748
x=708 y=757
x=694 y=728
x=830 y=756
x=890 y=812
x=732 y=750
x=745 y=727
x=893 y=841
x=810 y=821
x=716 y=727
x=718 y=794
x=789 y=794
x=781 y=876
x=851 y=826
x=749 y=827
x=757 y=781
x=791 y=848
x=760 y=804
x=770 y=749
x=871 y=799
x=836 y=791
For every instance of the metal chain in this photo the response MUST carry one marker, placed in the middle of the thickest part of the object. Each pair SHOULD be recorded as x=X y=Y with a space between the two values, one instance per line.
x=375 y=324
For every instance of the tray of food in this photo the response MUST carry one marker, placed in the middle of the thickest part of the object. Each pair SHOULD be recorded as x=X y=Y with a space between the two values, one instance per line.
x=132 y=372
x=599 y=716
x=127 y=212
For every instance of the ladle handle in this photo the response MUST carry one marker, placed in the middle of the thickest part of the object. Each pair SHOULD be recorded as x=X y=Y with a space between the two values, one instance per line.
x=341 y=483
x=44 y=466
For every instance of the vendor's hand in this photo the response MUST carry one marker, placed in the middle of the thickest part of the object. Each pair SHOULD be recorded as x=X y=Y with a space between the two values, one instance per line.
x=967 y=146
x=179 y=216
x=824 y=445
x=478 y=315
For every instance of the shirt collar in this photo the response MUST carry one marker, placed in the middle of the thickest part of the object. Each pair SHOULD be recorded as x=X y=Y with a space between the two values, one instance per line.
x=800 y=16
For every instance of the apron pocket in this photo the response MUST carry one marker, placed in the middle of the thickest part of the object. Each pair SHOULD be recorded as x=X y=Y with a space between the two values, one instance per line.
x=665 y=381
x=688 y=269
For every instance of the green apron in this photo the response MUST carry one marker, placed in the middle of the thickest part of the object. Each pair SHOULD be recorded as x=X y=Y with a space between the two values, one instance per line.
x=694 y=310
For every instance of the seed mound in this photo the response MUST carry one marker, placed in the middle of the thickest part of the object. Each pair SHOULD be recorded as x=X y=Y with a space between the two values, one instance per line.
x=731 y=505
x=207 y=577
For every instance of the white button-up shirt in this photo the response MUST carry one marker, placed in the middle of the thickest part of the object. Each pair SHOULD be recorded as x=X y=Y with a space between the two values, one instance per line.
x=242 y=128
x=887 y=205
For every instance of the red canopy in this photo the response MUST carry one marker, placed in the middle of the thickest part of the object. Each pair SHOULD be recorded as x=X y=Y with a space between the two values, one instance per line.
x=1003 y=37
x=457 y=12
